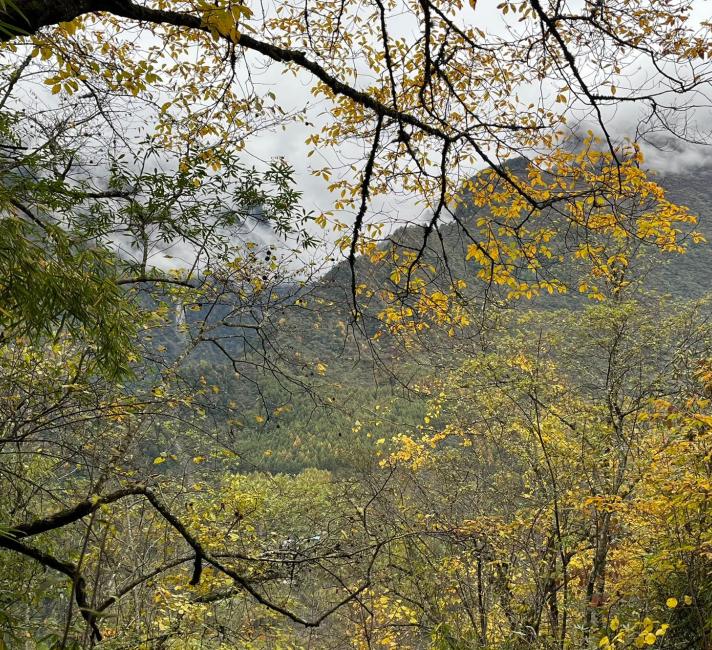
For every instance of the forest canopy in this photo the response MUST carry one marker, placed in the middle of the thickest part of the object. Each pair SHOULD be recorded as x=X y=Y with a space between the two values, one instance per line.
x=437 y=375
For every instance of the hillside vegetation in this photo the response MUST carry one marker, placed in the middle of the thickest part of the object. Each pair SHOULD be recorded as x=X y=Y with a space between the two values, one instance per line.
x=333 y=325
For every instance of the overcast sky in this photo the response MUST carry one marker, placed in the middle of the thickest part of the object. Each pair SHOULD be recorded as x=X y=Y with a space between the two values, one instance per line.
x=294 y=93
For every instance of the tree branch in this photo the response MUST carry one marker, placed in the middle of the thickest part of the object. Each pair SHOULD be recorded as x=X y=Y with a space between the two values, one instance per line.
x=68 y=569
x=70 y=515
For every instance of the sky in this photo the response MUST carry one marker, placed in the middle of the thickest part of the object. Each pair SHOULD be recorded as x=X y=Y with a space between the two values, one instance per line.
x=294 y=93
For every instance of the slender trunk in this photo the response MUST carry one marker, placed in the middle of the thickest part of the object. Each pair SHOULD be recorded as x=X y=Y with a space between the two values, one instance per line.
x=481 y=603
x=596 y=583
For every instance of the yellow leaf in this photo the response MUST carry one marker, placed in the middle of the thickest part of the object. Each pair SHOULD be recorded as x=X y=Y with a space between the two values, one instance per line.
x=321 y=368
x=615 y=623
x=650 y=638
x=671 y=603
x=604 y=642
x=158 y=460
x=688 y=600
x=259 y=418
x=70 y=27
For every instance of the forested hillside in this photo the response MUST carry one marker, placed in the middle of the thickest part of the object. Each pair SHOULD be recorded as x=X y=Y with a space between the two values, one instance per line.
x=319 y=433
x=329 y=325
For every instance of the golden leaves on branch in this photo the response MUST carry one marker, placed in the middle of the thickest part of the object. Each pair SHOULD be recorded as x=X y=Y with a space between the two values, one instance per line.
x=223 y=21
x=592 y=208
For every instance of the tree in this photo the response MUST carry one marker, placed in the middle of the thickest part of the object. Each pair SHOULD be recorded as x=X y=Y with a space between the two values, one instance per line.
x=84 y=223
x=545 y=492
x=123 y=128
x=82 y=500
x=428 y=107
x=84 y=308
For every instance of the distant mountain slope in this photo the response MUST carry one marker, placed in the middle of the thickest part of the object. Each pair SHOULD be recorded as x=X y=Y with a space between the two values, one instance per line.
x=323 y=432
x=689 y=275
